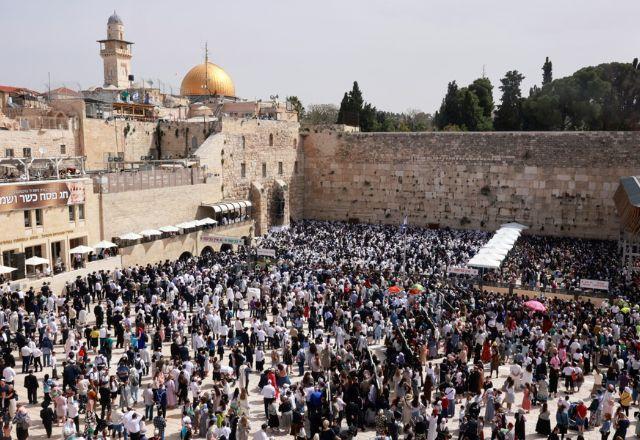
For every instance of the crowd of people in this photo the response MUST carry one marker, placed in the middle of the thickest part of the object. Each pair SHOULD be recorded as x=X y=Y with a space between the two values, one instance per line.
x=559 y=263
x=352 y=329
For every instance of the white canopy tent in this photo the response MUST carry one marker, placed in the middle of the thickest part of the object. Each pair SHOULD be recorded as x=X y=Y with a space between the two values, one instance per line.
x=82 y=249
x=36 y=261
x=493 y=253
x=104 y=244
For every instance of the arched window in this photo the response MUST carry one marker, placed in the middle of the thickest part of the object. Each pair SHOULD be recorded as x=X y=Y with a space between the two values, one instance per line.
x=271 y=140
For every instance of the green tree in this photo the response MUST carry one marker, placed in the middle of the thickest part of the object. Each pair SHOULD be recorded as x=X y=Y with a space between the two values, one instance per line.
x=344 y=108
x=297 y=106
x=449 y=113
x=483 y=89
x=547 y=74
x=509 y=113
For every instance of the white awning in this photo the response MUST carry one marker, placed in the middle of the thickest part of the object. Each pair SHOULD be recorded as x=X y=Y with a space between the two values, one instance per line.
x=150 y=232
x=216 y=208
x=243 y=204
x=169 y=229
x=187 y=225
x=236 y=205
x=223 y=208
x=249 y=205
x=206 y=221
x=130 y=236
x=230 y=207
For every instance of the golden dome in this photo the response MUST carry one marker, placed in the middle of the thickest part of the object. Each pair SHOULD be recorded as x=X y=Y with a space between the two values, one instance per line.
x=207 y=79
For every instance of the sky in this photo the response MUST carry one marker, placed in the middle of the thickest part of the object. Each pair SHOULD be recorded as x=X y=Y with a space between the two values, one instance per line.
x=402 y=52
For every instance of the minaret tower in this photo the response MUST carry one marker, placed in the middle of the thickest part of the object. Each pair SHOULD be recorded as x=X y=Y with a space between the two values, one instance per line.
x=116 y=54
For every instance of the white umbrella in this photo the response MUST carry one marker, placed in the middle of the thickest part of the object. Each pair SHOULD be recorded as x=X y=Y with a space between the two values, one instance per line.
x=206 y=221
x=169 y=229
x=130 y=236
x=6 y=269
x=104 y=244
x=82 y=249
x=150 y=232
x=36 y=261
x=187 y=225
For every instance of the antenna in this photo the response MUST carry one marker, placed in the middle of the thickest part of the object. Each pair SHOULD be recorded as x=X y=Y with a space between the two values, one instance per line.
x=484 y=71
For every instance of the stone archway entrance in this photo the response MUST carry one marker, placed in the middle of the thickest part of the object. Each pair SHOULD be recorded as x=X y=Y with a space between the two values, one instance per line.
x=226 y=247
x=208 y=250
x=185 y=256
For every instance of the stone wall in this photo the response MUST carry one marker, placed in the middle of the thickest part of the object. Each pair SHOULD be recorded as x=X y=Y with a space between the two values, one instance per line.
x=102 y=138
x=182 y=138
x=134 y=211
x=49 y=140
x=257 y=143
x=557 y=183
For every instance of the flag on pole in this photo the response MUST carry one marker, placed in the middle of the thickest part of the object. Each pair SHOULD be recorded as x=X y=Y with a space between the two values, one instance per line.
x=405 y=223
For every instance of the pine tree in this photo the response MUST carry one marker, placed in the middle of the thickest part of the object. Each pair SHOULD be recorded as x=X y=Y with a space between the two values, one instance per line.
x=344 y=107
x=547 y=75
x=509 y=113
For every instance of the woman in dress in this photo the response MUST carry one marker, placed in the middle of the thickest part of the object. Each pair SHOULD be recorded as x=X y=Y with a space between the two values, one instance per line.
x=171 y=393
x=510 y=393
x=543 y=426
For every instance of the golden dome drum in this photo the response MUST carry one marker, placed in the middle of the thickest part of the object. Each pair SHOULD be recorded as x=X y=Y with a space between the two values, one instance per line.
x=207 y=79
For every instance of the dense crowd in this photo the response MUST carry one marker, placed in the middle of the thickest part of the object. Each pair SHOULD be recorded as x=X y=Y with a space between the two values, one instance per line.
x=351 y=328
x=552 y=263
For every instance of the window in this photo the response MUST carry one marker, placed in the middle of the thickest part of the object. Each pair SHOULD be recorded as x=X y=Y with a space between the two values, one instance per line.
x=295 y=142
x=27 y=219
x=280 y=168
x=8 y=152
x=72 y=213
x=243 y=170
x=271 y=140
x=295 y=167
x=26 y=152
x=244 y=142
x=38 y=217
x=80 y=212
x=63 y=149
x=264 y=169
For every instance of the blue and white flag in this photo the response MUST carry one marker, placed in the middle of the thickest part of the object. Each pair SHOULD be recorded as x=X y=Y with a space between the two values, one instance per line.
x=405 y=223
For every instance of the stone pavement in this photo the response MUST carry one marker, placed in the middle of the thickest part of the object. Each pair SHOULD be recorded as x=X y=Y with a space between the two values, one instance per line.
x=256 y=417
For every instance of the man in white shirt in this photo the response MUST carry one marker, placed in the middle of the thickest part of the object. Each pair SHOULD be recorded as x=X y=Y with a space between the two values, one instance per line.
x=269 y=395
x=25 y=352
x=132 y=425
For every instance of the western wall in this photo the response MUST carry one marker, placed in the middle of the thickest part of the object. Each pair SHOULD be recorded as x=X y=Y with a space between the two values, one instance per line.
x=558 y=183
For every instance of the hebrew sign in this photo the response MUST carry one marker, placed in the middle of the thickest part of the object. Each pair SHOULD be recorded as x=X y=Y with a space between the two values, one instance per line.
x=40 y=195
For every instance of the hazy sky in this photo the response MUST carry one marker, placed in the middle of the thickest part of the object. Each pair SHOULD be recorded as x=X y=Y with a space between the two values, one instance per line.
x=401 y=52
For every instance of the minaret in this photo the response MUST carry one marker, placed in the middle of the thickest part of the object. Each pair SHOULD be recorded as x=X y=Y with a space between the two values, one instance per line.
x=116 y=54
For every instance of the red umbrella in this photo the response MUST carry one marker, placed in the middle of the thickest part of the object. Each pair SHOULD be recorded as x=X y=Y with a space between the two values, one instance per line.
x=394 y=289
x=535 y=306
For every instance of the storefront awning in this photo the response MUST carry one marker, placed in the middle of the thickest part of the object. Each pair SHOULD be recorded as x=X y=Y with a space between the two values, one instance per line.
x=223 y=207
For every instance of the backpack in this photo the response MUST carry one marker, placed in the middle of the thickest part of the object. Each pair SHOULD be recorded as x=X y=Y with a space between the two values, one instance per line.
x=134 y=380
